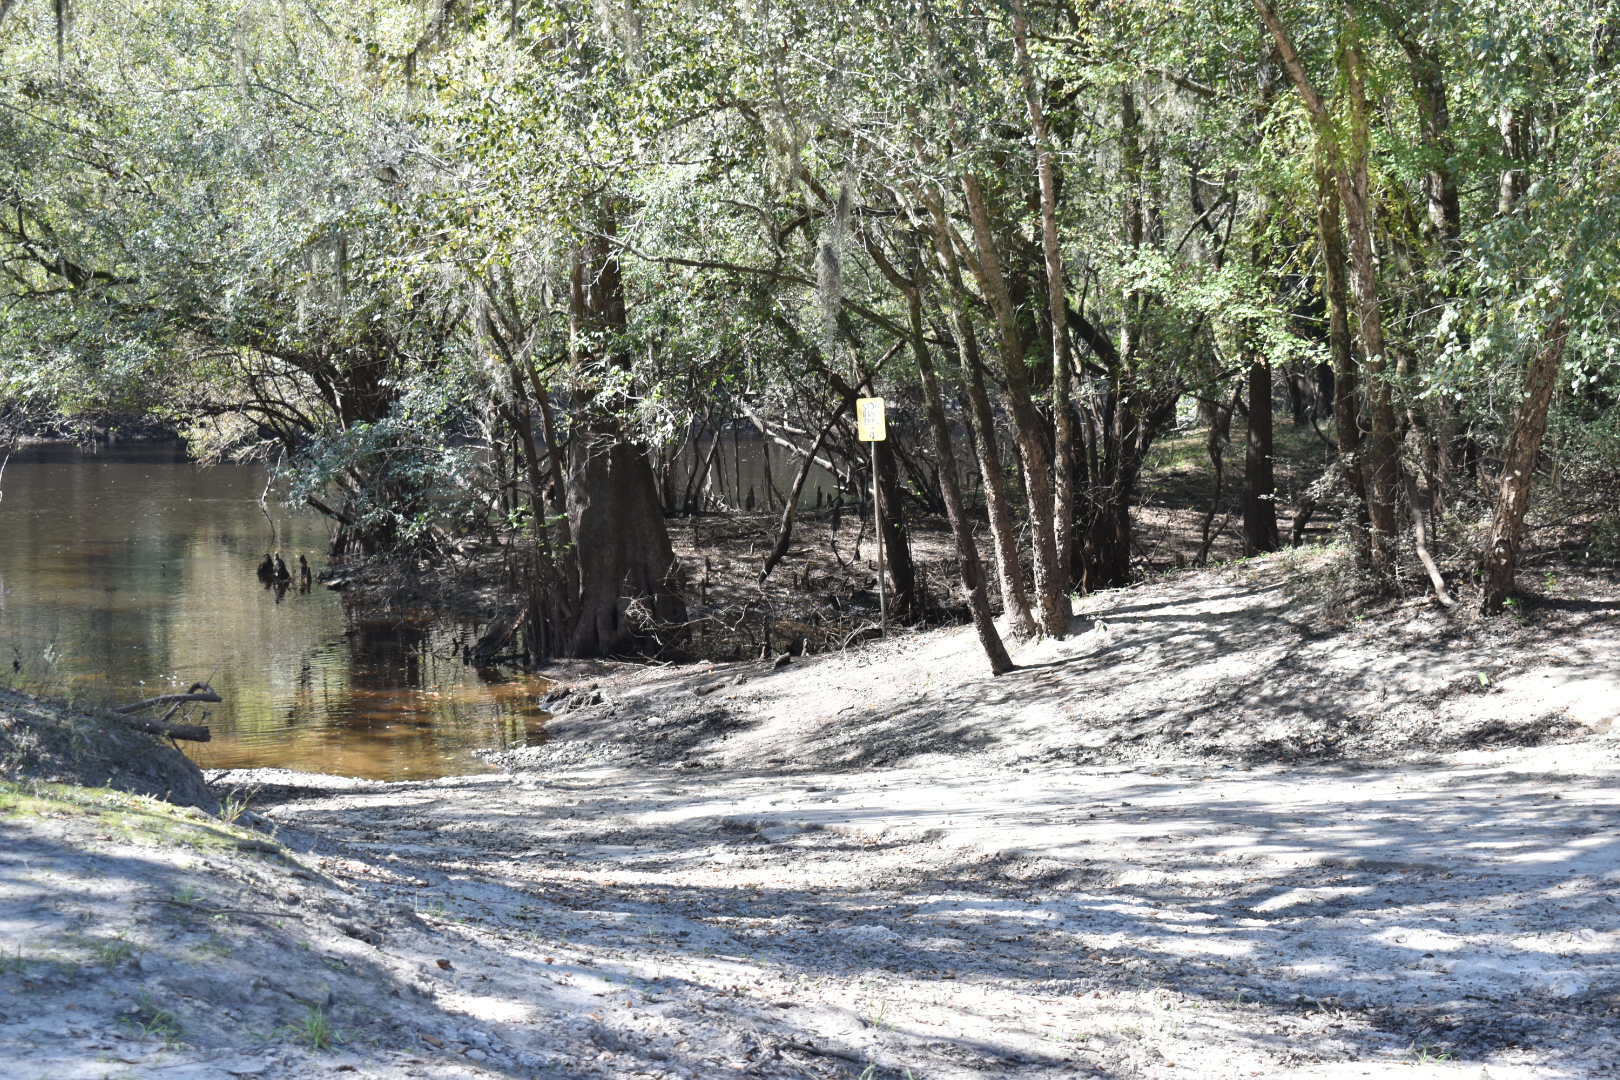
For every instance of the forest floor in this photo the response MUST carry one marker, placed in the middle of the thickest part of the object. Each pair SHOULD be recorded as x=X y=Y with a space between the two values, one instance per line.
x=1225 y=829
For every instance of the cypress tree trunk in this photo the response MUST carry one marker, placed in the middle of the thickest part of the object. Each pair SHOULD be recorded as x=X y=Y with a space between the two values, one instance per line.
x=620 y=544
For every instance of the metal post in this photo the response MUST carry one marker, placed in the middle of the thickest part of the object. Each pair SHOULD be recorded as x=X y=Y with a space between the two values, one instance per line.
x=877 y=521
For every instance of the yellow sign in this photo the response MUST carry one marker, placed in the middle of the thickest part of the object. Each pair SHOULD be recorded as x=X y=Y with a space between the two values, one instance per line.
x=869 y=424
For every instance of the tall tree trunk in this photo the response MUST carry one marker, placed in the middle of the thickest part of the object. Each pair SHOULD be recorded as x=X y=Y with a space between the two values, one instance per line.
x=905 y=604
x=998 y=501
x=1057 y=306
x=1346 y=389
x=967 y=552
x=1259 y=483
x=1518 y=470
x=1445 y=229
x=1514 y=124
x=981 y=421
x=1126 y=420
x=1051 y=597
x=1382 y=448
x=620 y=544
x=1434 y=114
x=1350 y=171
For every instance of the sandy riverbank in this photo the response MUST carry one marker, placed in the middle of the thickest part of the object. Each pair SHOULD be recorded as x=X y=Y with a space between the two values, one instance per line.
x=1155 y=851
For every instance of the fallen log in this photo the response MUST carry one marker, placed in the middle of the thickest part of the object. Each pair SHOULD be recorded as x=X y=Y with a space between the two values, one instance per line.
x=189 y=732
x=198 y=692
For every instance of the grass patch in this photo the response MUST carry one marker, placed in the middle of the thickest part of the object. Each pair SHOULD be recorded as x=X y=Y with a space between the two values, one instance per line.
x=315 y=1030
x=113 y=952
x=139 y=819
x=107 y=951
x=150 y=1020
x=13 y=962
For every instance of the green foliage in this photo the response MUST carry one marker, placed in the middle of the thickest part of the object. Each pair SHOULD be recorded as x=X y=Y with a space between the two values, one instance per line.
x=338 y=239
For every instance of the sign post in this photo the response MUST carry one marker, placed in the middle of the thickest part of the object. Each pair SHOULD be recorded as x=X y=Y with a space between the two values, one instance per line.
x=870 y=427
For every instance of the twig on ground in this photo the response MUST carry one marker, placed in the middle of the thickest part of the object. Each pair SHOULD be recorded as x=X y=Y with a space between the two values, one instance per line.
x=203 y=909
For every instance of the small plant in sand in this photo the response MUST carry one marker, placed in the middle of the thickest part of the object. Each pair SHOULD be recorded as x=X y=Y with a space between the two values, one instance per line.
x=14 y=962
x=112 y=951
x=875 y=1017
x=315 y=1030
x=149 y=1020
x=1425 y=1053
x=871 y=1073
x=236 y=803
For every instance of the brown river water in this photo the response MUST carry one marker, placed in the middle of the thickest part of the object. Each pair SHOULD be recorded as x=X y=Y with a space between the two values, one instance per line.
x=129 y=572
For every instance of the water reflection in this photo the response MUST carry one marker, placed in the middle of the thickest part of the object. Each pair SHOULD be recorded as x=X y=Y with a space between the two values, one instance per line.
x=128 y=572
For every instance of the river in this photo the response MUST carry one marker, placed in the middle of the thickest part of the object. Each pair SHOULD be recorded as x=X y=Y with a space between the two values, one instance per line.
x=128 y=572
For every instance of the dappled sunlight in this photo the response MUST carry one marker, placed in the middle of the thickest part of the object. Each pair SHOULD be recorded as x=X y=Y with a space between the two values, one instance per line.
x=1010 y=906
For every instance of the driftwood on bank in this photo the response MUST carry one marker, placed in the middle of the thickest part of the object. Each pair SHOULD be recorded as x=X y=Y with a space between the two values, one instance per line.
x=198 y=692
x=190 y=732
